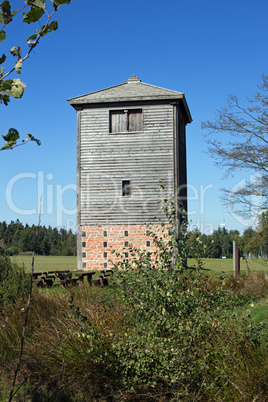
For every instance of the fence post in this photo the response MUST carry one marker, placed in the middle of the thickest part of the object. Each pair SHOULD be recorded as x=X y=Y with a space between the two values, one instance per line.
x=236 y=260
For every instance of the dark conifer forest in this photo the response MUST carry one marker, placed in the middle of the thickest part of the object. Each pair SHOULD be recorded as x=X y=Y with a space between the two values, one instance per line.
x=16 y=238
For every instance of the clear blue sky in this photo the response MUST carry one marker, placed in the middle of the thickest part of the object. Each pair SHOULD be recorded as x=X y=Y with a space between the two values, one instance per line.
x=207 y=49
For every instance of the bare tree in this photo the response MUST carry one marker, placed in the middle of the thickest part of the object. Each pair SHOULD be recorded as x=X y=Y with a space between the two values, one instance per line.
x=238 y=140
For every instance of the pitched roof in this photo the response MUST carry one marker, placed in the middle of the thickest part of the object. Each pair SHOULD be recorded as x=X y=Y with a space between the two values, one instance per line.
x=131 y=90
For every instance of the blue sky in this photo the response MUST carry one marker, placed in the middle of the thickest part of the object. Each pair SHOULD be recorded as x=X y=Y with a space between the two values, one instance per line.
x=207 y=49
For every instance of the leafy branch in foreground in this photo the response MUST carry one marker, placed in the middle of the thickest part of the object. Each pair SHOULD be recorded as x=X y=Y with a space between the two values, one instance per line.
x=34 y=11
x=12 y=137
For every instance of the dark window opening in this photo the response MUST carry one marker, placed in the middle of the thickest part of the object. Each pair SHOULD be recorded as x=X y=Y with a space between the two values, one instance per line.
x=83 y=234
x=126 y=244
x=83 y=244
x=84 y=255
x=105 y=265
x=105 y=244
x=84 y=265
x=148 y=243
x=105 y=233
x=126 y=120
x=126 y=188
x=148 y=232
x=126 y=254
x=105 y=254
x=126 y=233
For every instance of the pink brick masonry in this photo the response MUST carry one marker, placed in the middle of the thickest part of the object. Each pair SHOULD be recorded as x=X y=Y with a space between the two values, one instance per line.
x=94 y=240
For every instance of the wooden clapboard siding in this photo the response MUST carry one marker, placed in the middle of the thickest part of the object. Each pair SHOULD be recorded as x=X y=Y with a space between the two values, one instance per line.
x=108 y=158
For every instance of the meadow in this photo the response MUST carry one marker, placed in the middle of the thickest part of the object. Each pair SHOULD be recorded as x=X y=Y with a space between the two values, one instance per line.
x=216 y=266
x=46 y=263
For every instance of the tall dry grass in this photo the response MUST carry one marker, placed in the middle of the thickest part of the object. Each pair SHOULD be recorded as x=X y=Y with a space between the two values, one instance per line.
x=59 y=358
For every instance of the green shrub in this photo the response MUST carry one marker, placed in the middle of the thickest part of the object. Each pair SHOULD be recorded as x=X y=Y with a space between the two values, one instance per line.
x=14 y=282
x=179 y=324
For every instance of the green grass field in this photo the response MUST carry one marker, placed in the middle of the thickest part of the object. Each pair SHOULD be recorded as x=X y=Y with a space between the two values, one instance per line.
x=218 y=265
x=46 y=263
x=213 y=265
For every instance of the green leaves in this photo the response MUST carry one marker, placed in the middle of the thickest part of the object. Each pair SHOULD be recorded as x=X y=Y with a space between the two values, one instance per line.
x=16 y=88
x=37 y=10
x=18 y=66
x=57 y=3
x=13 y=88
x=15 y=51
x=2 y=36
x=33 y=15
x=37 y=3
x=4 y=98
x=3 y=58
x=33 y=12
x=49 y=28
x=30 y=137
x=53 y=26
x=5 y=13
x=12 y=137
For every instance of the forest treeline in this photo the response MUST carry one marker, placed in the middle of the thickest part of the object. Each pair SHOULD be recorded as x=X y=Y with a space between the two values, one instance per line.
x=253 y=242
x=16 y=238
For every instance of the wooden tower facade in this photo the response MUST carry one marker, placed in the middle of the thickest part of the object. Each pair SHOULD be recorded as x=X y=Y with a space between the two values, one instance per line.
x=129 y=137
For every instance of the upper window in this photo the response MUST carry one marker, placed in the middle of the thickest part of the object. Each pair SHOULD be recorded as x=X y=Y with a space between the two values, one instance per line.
x=126 y=121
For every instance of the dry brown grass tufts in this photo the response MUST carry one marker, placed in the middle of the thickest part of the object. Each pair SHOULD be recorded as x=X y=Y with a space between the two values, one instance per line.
x=250 y=284
x=65 y=353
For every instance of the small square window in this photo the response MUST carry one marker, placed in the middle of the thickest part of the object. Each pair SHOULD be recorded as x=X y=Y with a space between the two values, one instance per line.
x=84 y=265
x=126 y=233
x=105 y=233
x=105 y=244
x=169 y=232
x=126 y=244
x=84 y=244
x=84 y=255
x=148 y=243
x=84 y=234
x=125 y=188
x=148 y=232
x=105 y=265
x=126 y=254
x=105 y=254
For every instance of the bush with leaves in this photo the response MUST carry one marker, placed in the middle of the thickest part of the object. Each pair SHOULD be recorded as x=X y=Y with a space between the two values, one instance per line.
x=175 y=315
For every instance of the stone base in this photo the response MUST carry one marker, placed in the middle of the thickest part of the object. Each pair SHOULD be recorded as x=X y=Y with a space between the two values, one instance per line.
x=99 y=241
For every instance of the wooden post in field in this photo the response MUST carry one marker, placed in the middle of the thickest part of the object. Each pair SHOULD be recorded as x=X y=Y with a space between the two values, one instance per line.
x=236 y=260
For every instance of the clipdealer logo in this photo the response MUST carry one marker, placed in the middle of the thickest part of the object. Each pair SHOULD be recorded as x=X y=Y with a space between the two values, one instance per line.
x=52 y=196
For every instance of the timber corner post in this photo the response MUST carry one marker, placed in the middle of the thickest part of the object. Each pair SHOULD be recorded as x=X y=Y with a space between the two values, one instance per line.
x=236 y=260
x=129 y=136
x=78 y=188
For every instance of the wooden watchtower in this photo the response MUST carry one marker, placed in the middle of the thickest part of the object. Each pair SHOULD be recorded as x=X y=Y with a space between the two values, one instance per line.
x=129 y=137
